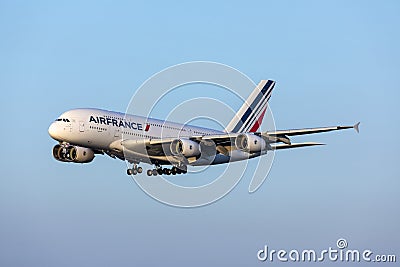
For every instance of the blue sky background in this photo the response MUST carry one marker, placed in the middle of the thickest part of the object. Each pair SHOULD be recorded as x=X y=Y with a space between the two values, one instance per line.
x=334 y=62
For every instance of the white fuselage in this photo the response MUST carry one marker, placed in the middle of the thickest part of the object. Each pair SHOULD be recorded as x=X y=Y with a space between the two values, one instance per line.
x=97 y=128
x=103 y=130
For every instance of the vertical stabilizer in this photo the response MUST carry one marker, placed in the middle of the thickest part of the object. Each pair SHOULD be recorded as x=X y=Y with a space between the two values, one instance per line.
x=250 y=115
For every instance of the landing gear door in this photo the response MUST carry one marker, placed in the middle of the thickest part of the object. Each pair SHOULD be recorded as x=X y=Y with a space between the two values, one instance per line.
x=81 y=126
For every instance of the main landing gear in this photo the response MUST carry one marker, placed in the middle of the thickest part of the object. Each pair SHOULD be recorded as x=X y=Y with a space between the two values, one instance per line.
x=135 y=170
x=158 y=170
x=174 y=170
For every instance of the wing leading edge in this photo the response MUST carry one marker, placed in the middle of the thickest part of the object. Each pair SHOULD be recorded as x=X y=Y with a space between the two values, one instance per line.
x=313 y=130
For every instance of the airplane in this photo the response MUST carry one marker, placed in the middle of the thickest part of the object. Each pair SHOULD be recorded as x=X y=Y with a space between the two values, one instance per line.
x=85 y=132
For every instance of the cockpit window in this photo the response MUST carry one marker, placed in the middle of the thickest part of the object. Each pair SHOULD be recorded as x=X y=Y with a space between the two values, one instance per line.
x=64 y=120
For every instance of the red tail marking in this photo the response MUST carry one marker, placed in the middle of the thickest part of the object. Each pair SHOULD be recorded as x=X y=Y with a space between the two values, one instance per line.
x=258 y=122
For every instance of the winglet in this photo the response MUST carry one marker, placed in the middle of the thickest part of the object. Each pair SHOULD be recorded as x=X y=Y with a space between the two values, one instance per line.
x=356 y=127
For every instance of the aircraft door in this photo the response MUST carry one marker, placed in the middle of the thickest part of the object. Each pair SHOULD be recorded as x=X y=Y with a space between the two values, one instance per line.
x=81 y=126
x=117 y=132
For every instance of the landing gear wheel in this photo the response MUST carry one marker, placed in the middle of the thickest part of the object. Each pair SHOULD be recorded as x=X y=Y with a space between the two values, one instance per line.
x=182 y=169
x=135 y=170
x=168 y=172
x=154 y=172
x=149 y=172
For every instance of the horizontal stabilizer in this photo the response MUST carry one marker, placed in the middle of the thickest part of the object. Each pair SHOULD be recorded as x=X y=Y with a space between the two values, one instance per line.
x=294 y=145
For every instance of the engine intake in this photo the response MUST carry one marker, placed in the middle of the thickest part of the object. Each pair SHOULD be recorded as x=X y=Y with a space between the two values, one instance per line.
x=184 y=147
x=250 y=143
x=73 y=154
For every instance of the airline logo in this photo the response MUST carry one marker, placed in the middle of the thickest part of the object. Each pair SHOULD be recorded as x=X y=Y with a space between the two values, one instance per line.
x=118 y=123
x=252 y=118
x=251 y=114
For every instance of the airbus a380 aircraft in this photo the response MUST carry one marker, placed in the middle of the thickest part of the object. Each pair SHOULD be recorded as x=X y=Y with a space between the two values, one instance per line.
x=83 y=133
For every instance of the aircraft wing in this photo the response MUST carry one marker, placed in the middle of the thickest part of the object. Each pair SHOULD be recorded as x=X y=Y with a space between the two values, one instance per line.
x=225 y=142
x=313 y=130
x=283 y=135
x=161 y=147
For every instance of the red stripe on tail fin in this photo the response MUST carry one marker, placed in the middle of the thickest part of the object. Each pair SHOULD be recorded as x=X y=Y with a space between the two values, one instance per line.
x=257 y=124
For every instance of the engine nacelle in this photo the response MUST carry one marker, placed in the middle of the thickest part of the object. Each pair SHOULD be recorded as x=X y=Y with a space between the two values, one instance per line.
x=73 y=154
x=184 y=147
x=250 y=143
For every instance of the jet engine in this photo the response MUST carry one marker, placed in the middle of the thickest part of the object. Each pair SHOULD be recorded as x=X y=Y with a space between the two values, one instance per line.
x=250 y=143
x=184 y=147
x=73 y=154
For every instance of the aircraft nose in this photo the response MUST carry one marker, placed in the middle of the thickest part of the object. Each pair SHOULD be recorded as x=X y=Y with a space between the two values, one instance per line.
x=53 y=131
